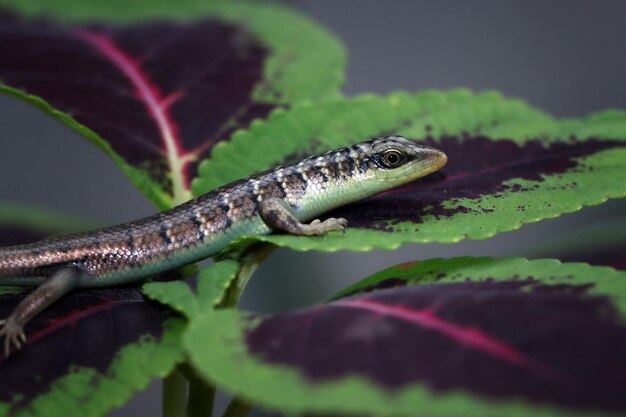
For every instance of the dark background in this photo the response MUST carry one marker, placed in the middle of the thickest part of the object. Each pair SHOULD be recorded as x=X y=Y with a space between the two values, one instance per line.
x=566 y=57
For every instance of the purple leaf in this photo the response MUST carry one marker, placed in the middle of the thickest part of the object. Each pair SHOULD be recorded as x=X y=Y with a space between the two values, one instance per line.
x=498 y=340
x=161 y=94
x=85 y=329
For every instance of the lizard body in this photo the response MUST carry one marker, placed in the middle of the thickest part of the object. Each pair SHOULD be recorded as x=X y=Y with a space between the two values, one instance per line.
x=280 y=199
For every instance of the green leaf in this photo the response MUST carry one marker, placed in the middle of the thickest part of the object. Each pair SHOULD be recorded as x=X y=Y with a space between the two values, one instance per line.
x=201 y=293
x=241 y=61
x=551 y=271
x=463 y=336
x=509 y=164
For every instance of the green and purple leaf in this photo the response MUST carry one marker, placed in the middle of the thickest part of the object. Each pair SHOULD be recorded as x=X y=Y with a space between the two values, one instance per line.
x=158 y=94
x=508 y=164
x=90 y=336
x=477 y=337
x=96 y=346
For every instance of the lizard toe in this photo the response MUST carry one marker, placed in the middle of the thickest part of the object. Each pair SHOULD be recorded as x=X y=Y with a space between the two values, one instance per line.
x=13 y=335
x=332 y=225
x=7 y=342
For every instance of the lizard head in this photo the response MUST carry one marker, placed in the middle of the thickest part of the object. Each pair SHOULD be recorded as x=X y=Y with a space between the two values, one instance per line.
x=395 y=160
x=364 y=169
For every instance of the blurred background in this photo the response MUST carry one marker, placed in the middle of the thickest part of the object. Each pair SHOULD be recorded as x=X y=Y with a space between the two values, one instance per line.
x=565 y=57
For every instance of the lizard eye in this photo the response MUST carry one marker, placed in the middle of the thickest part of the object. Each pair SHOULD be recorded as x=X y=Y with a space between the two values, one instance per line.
x=392 y=158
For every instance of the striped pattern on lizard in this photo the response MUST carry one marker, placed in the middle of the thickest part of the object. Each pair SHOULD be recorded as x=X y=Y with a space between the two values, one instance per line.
x=281 y=199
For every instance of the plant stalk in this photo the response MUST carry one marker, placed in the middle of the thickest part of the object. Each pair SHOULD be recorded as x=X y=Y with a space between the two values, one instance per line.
x=249 y=261
x=174 y=394
x=201 y=395
x=237 y=408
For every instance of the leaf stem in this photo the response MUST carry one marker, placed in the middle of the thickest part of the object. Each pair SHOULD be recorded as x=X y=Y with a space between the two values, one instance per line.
x=249 y=260
x=237 y=408
x=201 y=395
x=174 y=394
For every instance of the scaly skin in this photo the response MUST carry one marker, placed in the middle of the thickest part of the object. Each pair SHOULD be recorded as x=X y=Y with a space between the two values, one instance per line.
x=279 y=199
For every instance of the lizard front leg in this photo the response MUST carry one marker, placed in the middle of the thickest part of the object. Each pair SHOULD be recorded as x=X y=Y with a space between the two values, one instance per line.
x=278 y=215
x=59 y=284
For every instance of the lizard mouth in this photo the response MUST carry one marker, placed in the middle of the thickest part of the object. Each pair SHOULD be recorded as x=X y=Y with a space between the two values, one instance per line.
x=439 y=160
x=429 y=160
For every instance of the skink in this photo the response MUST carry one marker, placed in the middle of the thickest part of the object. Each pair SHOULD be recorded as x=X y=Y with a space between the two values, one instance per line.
x=281 y=199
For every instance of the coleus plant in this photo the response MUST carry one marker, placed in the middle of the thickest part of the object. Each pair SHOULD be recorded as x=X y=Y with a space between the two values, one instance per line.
x=188 y=97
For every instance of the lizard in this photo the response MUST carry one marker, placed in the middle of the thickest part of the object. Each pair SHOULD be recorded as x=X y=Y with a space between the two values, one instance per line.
x=281 y=199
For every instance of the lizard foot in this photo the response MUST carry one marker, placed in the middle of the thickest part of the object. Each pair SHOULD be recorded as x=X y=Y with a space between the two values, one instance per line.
x=317 y=227
x=13 y=334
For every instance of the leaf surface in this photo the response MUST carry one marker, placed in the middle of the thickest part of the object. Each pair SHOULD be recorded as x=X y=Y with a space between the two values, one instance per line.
x=508 y=164
x=192 y=296
x=96 y=347
x=470 y=336
x=158 y=94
